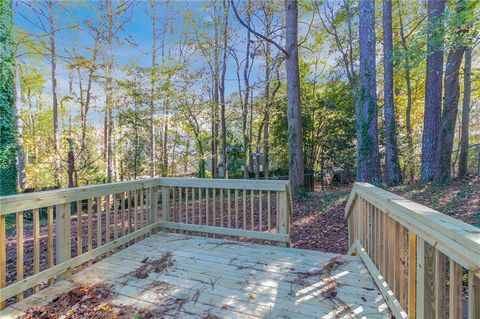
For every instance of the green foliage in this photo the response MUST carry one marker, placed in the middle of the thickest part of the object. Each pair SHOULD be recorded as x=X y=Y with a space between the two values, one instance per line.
x=8 y=124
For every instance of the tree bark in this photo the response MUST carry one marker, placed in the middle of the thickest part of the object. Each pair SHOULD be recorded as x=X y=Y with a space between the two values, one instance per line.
x=53 y=66
x=368 y=162
x=294 y=113
x=450 y=102
x=226 y=5
x=246 y=142
x=268 y=102
x=109 y=91
x=392 y=166
x=153 y=81
x=467 y=92
x=433 y=88
x=408 y=112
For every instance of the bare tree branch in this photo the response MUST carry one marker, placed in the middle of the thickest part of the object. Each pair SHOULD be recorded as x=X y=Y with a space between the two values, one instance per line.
x=255 y=32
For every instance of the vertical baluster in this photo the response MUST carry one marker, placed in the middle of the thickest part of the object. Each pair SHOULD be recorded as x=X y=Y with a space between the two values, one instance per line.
x=378 y=240
x=200 y=210
x=373 y=235
x=221 y=207
x=36 y=244
x=122 y=217
x=115 y=217
x=252 y=209
x=180 y=219
x=397 y=269
x=440 y=283
x=186 y=205
x=174 y=205
x=89 y=225
x=229 y=213
x=236 y=206
x=3 y=257
x=269 y=212
x=260 y=222
x=455 y=290
x=368 y=237
x=473 y=295
x=20 y=251
x=129 y=212
x=214 y=207
x=206 y=205
x=244 y=208
x=402 y=267
x=192 y=205
x=50 y=248
x=421 y=285
x=99 y=221
x=412 y=274
x=135 y=210
x=79 y=228
x=107 y=219
x=142 y=209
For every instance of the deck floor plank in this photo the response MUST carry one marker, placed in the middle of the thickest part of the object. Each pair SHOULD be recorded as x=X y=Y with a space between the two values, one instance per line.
x=230 y=280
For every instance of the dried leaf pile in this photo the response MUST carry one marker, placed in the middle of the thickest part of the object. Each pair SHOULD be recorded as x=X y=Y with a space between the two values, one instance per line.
x=155 y=265
x=83 y=302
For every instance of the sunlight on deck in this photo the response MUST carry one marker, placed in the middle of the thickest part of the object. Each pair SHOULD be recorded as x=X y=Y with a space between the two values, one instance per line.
x=229 y=280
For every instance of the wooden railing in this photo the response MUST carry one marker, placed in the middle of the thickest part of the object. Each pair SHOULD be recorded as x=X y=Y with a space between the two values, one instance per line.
x=67 y=228
x=419 y=258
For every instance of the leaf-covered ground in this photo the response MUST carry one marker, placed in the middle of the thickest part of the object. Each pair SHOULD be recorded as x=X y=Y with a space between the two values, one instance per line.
x=459 y=198
x=318 y=218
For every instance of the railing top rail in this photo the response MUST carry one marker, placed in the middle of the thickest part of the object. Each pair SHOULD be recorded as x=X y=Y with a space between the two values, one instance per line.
x=440 y=227
x=20 y=202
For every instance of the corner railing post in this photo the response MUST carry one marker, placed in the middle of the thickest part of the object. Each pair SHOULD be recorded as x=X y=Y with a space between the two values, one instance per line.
x=282 y=215
x=63 y=236
x=165 y=203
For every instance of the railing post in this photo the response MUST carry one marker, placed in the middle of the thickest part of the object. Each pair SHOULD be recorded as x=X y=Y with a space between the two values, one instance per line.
x=63 y=236
x=153 y=204
x=165 y=203
x=282 y=215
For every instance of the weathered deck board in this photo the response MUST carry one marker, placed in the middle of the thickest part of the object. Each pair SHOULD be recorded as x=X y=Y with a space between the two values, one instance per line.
x=230 y=280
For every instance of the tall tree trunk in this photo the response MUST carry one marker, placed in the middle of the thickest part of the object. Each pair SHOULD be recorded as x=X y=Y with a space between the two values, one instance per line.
x=450 y=103
x=8 y=120
x=467 y=92
x=152 y=87
x=109 y=91
x=268 y=102
x=433 y=88
x=408 y=112
x=216 y=93
x=22 y=176
x=368 y=162
x=294 y=112
x=226 y=5
x=246 y=154
x=53 y=66
x=392 y=166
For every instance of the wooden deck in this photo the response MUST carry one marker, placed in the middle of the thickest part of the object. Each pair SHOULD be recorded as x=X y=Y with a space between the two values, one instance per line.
x=229 y=279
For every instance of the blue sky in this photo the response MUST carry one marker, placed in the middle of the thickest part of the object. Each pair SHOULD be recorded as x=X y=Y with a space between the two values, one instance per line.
x=137 y=29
